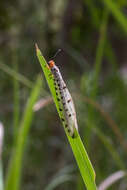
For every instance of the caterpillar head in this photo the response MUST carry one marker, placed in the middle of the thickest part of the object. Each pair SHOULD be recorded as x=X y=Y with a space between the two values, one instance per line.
x=51 y=64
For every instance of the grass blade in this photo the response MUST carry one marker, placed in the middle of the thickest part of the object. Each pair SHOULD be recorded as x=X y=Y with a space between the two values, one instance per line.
x=1 y=177
x=14 y=171
x=113 y=178
x=110 y=148
x=117 y=13
x=16 y=75
x=1 y=168
x=16 y=103
x=78 y=149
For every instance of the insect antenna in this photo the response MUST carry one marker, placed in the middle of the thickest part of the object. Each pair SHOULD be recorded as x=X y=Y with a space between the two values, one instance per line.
x=58 y=51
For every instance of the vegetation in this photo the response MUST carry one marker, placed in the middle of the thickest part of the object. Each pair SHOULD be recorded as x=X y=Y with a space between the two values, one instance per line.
x=93 y=62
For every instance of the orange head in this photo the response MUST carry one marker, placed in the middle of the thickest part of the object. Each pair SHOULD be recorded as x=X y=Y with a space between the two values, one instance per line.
x=51 y=64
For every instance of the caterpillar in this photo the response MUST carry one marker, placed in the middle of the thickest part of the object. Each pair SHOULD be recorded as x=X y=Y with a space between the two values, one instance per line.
x=66 y=105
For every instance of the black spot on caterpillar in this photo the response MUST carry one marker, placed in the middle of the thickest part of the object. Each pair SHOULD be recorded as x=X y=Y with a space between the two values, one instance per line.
x=73 y=136
x=62 y=119
x=69 y=100
x=68 y=130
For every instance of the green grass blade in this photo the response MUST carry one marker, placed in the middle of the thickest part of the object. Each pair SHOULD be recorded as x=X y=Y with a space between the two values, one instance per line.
x=16 y=103
x=1 y=168
x=83 y=162
x=14 y=171
x=1 y=177
x=100 y=47
x=97 y=70
x=16 y=75
x=78 y=149
x=110 y=148
x=117 y=13
x=96 y=20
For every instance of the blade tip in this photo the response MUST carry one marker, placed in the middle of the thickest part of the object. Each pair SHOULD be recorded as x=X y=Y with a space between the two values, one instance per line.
x=36 y=46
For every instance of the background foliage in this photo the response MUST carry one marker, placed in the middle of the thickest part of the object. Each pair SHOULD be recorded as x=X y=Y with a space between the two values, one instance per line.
x=92 y=35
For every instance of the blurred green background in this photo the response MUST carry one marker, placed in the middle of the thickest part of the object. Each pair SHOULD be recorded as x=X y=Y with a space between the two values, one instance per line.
x=93 y=37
